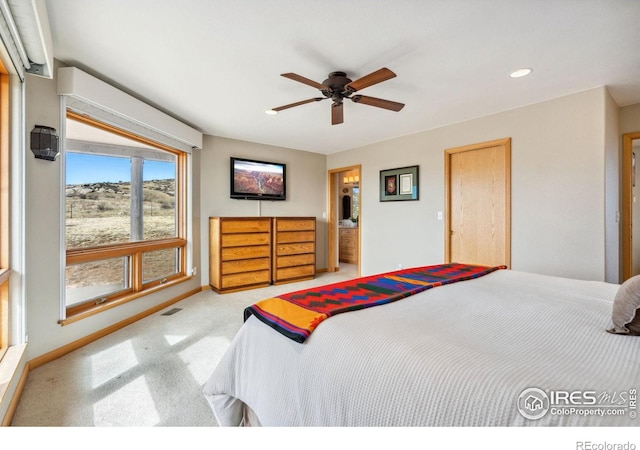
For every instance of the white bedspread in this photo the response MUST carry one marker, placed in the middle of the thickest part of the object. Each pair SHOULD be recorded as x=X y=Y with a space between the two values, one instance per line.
x=456 y=355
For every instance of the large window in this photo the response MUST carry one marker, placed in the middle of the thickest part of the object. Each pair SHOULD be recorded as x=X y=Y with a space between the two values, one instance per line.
x=5 y=210
x=124 y=216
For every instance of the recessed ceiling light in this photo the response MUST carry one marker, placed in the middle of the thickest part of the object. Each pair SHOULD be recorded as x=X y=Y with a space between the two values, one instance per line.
x=520 y=73
x=271 y=112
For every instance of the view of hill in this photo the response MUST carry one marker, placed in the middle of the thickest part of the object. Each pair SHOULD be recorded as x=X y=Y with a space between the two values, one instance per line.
x=99 y=213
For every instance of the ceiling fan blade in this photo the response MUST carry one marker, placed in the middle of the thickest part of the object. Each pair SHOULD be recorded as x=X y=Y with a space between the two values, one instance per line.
x=378 y=102
x=303 y=102
x=301 y=79
x=337 y=113
x=376 y=77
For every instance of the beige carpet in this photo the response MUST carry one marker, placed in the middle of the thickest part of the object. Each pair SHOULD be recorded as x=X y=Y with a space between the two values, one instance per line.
x=149 y=374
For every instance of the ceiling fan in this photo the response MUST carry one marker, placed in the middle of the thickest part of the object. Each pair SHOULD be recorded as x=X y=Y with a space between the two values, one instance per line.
x=338 y=87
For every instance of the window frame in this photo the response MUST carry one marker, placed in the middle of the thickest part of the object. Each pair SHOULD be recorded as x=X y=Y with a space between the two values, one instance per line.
x=5 y=211
x=132 y=250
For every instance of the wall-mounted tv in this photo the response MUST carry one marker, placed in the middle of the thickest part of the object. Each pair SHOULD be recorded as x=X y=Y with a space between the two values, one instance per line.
x=258 y=180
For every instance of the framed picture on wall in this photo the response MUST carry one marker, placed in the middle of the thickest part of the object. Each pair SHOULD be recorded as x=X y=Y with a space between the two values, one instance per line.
x=390 y=185
x=406 y=183
x=399 y=184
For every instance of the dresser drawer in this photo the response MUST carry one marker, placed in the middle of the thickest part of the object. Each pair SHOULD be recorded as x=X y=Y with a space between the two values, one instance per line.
x=245 y=226
x=245 y=279
x=295 y=224
x=233 y=253
x=295 y=249
x=295 y=260
x=284 y=237
x=295 y=272
x=245 y=265
x=242 y=239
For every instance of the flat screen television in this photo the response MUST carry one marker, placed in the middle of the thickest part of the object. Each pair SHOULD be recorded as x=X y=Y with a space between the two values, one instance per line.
x=258 y=180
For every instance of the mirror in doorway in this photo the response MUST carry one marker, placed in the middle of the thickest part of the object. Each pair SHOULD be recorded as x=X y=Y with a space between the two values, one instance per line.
x=350 y=206
x=346 y=206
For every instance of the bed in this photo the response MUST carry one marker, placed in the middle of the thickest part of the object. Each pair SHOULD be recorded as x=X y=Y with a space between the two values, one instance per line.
x=506 y=348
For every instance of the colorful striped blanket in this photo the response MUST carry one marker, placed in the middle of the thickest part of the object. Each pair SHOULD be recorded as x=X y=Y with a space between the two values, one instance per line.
x=297 y=314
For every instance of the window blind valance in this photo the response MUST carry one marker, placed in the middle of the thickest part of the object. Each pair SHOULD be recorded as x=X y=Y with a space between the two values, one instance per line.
x=86 y=94
x=24 y=30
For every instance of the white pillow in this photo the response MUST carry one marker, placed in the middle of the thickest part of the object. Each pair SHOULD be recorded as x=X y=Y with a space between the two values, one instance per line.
x=626 y=308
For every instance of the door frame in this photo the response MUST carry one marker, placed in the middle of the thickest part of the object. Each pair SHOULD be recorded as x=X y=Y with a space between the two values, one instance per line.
x=627 y=203
x=332 y=239
x=506 y=143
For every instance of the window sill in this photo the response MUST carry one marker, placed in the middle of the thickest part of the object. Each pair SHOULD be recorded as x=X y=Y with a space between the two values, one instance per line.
x=122 y=300
x=9 y=366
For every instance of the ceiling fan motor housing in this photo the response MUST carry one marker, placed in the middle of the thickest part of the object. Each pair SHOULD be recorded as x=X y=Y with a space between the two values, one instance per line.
x=336 y=84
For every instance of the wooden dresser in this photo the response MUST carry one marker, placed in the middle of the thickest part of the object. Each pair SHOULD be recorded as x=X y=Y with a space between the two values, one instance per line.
x=348 y=248
x=294 y=249
x=252 y=252
x=239 y=253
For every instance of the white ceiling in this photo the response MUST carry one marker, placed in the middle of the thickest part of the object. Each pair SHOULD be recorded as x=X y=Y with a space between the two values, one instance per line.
x=216 y=64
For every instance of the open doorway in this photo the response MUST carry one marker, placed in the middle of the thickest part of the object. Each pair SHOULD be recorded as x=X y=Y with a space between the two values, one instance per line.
x=630 y=209
x=345 y=219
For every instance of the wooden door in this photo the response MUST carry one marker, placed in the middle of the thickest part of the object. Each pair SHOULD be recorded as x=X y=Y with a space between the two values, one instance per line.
x=478 y=217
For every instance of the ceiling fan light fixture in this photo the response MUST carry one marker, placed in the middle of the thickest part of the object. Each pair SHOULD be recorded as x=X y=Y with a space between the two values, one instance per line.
x=520 y=73
x=271 y=112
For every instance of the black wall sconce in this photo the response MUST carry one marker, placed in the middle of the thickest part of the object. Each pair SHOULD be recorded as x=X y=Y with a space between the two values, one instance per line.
x=44 y=143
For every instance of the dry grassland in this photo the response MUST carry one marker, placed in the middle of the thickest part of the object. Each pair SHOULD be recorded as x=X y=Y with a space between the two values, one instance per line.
x=99 y=214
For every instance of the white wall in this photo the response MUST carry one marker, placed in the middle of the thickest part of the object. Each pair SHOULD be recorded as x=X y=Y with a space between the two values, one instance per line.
x=558 y=188
x=630 y=119
x=306 y=189
x=612 y=148
x=43 y=245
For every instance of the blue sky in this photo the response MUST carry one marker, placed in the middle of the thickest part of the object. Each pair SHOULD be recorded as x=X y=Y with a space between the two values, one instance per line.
x=83 y=168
